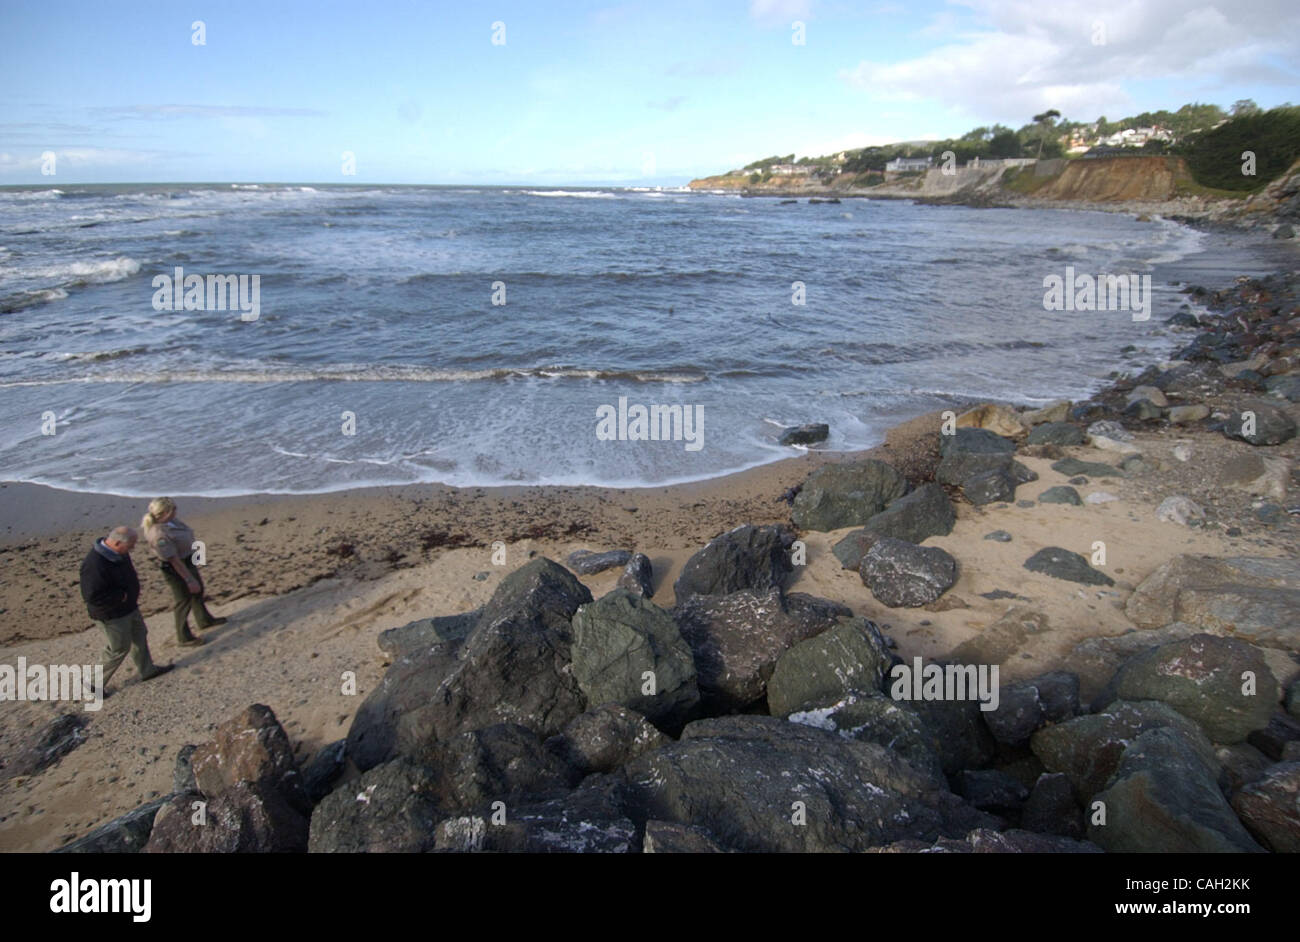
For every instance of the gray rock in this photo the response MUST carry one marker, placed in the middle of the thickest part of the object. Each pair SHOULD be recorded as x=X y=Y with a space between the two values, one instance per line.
x=904 y=574
x=1055 y=433
x=1272 y=426
x=1180 y=510
x=1284 y=386
x=1063 y=564
x=324 y=769
x=760 y=784
x=390 y=809
x=1002 y=536
x=1088 y=748
x=1185 y=415
x=638 y=576
x=588 y=563
x=805 y=434
x=124 y=835
x=666 y=837
x=1242 y=764
x=1293 y=699
x=1272 y=739
x=1270 y=808
x=990 y=487
x=1025 y=707
x=605 y=739
x=747 y=557
x=1203 y=678
x=1143 y=410
x=1061 y=494
x=1072 y=466
x=504 y=762
x=736 y=639
x=923 y=513
x=1254 y=598
x=1164 y=798
x=426 y=633
x=874 y=717
x=851 y=657
x=971 y=452
x=251 y=747
x=1284 y=231
x=624 y=646
x=964 y=740
x=845 y=495
x=47 y=745
x=1151 y=394
x=1051 y=808
x=514 y=667
x=992 y=791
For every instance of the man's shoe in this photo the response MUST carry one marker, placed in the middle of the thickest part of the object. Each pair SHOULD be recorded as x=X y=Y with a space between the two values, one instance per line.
x=214 y=623
x=159 y=669
x=191 y=642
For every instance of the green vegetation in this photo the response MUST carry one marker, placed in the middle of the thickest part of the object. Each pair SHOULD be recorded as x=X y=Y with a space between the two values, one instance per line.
x=1216 y=157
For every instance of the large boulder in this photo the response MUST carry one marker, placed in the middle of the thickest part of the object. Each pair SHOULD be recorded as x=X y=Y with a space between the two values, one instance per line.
x=1088 y=748
x=246 y=817
x=747 y=557
x=850 y=657
x=737 y=639
x=1270 y=808
x=251 y=747
x=503 y=762
x=904 y=574
x=1064 y=564
x=846 y=495
x=391 y=809
x=667 y=837
x=426 y=633
x=605 y=739
x=1261 y=423
x=1207 y=680
x=1254 y=598
x=638 y=576
x=514 y=667
x=1165 y=798
x=1026 y=707
x=874 y=717
x=972 y=451
x=124 y=835
x=46 y=746
x=915 y=517
x=763 y=784
x=1055 y=433
x=627 y=650
x=958 y=726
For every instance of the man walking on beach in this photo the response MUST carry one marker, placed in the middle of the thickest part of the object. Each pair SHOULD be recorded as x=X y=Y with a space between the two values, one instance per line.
x=111 y=589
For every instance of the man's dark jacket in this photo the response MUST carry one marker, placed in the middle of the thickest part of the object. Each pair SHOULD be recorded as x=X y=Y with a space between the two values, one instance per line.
x=110 y=588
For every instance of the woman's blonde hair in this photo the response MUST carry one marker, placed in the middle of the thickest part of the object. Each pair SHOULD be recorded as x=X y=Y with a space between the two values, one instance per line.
x=158 y=507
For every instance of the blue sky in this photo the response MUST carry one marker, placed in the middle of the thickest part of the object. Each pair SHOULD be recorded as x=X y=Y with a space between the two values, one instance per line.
x=586 y=93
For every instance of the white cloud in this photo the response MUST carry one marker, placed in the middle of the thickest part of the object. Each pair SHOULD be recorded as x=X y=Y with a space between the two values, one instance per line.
x=780 y=12
x=1007 y=59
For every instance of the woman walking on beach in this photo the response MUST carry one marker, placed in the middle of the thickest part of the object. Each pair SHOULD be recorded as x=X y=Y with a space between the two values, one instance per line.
x=172 y=542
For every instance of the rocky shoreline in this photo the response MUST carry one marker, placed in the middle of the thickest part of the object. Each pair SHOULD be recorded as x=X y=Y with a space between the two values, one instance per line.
x=745 y=716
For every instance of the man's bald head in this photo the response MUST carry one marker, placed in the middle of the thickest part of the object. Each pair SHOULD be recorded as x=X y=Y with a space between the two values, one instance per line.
x=121 y=540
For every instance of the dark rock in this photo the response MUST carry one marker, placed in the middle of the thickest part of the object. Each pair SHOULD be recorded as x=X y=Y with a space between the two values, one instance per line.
x=638 y=576
x=874 y=717
x=964 y=740
x=1164 y=798
x=990 y=487
x=736 y=639
x=923 y=513
x=1270 y=808
x=1088 y=748
x=426 y=633
x=1051 y=808
x=1242 y=764
x=1271 y=426
x=1055 y=433
x=47 y=745
x=589 y=820
x=390 y=809
x=1002 y=536
x=805 y=434
x=1025 y=707
x=1285 y=386
x=1284 y=231
x=992 y=791
x=503 y=762
x=1272 y=739
x=605 y=739
x=845 y=495
x=1202 y=677
x=1072 y=466
x=1061 y=494
x=324 y=769
x=514 y=667
x=900 y=573
x=825 y=669
x=629 y=651
x=588 y=563
x=124 y=835
x=665 y=837
x=762 y=784
x=1063 y=564
x=252 y=748
x=850 y=550
x=245 y=817
x=747 y=557
x=1293 y=699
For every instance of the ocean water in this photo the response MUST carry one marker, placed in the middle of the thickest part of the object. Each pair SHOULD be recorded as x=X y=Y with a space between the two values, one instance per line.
x=377 y=302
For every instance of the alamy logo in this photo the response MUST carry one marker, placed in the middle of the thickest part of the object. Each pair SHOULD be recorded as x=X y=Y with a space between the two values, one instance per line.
x=1098 y=293
x=182 y=292
x=656 y=423
x=76 y=895
x=946 y=682
x=73 y=682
